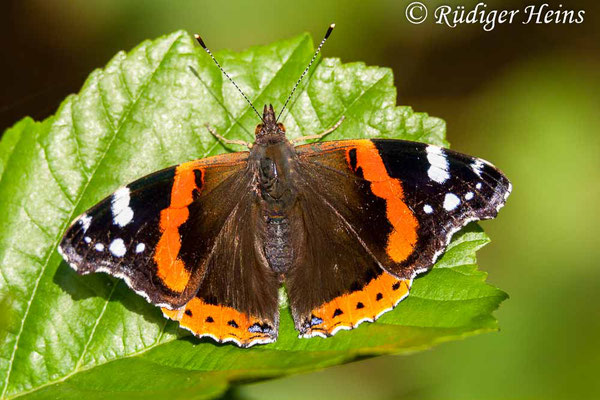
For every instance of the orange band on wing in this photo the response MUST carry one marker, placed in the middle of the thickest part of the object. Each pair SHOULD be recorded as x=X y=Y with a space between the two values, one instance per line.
x=402 y=240
x=380 y=295
x=170 y=268
x=223 y=324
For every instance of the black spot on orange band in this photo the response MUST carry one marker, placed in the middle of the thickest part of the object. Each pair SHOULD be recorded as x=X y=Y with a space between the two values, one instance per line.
x=350 y=309
x=222 y=323
x=233 y=324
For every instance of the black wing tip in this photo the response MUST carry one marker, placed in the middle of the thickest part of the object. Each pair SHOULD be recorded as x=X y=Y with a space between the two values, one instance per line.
x=502 y=192
x=70 y=256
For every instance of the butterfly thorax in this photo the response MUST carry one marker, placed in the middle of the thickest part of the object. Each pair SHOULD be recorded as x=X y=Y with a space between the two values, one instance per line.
x=272 y=159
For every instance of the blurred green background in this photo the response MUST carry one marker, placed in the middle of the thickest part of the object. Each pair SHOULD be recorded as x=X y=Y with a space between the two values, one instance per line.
x=526 y=97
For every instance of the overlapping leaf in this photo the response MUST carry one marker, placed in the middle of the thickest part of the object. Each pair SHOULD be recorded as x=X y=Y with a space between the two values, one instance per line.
x=67 y=336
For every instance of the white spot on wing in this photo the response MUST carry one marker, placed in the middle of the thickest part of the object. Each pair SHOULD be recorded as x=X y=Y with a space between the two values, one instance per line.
x=478 y=186
x=469 y=196
x=85 y=221
x=87 y=239
x=122 y=213
x=99 y=247
x=438 y=169
x=428 y=209
x=117 y=248
x=508 y=190
x=477 y=166
x=451 y=201
x=140 y=247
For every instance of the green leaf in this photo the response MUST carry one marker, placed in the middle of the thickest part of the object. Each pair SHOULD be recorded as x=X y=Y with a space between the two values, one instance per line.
x=68 y=336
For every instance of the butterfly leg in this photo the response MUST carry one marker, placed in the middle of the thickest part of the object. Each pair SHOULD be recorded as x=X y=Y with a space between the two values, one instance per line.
x=225 y=140
x=320 y=135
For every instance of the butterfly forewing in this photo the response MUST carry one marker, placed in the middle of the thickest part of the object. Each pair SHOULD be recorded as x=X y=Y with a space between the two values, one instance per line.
x=165 y=233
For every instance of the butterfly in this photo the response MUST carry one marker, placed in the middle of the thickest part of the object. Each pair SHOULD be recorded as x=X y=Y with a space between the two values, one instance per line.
x=345 y=226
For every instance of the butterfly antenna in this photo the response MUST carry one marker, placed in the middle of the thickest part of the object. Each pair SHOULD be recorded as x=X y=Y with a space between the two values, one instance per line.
x=329 y=30
x=201 y=43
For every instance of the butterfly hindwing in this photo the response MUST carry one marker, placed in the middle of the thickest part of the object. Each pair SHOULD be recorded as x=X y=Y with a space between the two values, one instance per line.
x=334 y=283
x=167 y=233
x=238 y=297
x=399 y=203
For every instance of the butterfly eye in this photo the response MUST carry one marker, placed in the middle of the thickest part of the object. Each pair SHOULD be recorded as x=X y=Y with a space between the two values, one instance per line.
x=280 y=125
x=259 y=128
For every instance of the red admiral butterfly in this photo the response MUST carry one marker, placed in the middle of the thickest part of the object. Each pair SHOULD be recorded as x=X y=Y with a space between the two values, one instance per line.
x=344 y=225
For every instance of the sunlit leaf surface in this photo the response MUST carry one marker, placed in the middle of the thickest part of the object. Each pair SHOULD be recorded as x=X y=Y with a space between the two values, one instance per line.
x=68 y=336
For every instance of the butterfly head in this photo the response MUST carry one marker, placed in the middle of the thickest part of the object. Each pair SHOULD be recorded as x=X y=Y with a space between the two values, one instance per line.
x=269 y=131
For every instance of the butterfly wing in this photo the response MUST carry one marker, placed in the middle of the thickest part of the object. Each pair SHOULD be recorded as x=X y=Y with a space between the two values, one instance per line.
x=167 y=233
x=334 y=282
x=237 y=299
x=399 y=203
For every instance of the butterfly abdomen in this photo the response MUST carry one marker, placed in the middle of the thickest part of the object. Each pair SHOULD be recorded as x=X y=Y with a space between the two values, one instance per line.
x=278 y=246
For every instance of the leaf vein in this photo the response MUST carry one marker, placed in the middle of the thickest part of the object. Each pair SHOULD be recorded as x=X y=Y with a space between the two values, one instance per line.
x=93 y=332
x=76 y=140
x=61 y=185
x=34 y=222
x=105 y=110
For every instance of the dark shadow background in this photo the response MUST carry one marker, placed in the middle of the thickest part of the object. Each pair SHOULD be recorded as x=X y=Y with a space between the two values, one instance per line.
x=526 y=97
